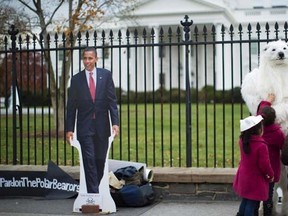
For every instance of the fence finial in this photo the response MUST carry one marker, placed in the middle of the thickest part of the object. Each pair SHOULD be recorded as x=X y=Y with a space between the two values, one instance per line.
x=13 y=32
x=186 y=25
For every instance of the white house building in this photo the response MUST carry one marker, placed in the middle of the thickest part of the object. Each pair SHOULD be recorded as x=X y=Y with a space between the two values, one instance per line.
x=222 y=66
x=157 y=14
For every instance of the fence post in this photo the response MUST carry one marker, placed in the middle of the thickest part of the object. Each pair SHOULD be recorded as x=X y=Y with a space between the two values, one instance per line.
x=13 y=32
x=186 y=24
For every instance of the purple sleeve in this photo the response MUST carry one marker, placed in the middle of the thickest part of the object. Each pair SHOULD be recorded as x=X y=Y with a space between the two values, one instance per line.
x=261 y=105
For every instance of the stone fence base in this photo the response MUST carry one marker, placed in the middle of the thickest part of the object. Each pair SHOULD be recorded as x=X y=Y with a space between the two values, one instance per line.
x=171 y=182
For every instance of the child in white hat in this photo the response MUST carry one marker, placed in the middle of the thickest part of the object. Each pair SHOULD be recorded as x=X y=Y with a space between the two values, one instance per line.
x=254 y=172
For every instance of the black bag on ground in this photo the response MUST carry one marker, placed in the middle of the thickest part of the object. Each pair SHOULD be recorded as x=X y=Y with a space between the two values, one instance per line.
x=134 y=195
x=136 y=191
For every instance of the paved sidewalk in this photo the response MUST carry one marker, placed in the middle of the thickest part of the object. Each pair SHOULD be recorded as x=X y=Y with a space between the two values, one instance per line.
x=63 y=207
x=41 y=207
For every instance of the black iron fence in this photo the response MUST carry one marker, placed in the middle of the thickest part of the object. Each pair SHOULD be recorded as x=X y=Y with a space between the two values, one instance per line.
x=178 y=90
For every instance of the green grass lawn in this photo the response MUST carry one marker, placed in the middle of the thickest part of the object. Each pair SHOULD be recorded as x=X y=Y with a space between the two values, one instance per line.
x=155 y=135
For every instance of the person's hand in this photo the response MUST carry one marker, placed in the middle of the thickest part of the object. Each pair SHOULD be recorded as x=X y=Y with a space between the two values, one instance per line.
x=115 y=130
x=271 y=97
x=271 y=179
x=69 y=136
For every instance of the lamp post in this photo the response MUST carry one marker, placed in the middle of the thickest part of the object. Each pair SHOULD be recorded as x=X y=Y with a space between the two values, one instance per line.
x=186 y=24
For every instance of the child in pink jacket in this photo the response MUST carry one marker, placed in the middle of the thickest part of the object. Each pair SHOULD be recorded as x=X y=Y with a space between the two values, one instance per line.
x=254 y=172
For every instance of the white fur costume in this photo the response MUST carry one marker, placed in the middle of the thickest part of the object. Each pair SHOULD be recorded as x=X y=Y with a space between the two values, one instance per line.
x=271 y=77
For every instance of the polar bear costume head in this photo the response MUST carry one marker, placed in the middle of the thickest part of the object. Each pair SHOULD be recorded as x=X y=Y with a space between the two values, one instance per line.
x=273 y=70
x=270 y=77
x=275 y=55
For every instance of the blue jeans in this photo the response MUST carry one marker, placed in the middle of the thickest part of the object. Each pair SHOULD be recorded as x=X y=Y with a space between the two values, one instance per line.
x=248 y=207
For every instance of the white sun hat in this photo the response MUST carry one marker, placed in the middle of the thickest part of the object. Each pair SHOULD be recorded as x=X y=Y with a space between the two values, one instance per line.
x=249 y=122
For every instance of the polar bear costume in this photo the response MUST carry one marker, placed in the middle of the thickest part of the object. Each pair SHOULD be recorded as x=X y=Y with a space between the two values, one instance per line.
x=271 y=77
